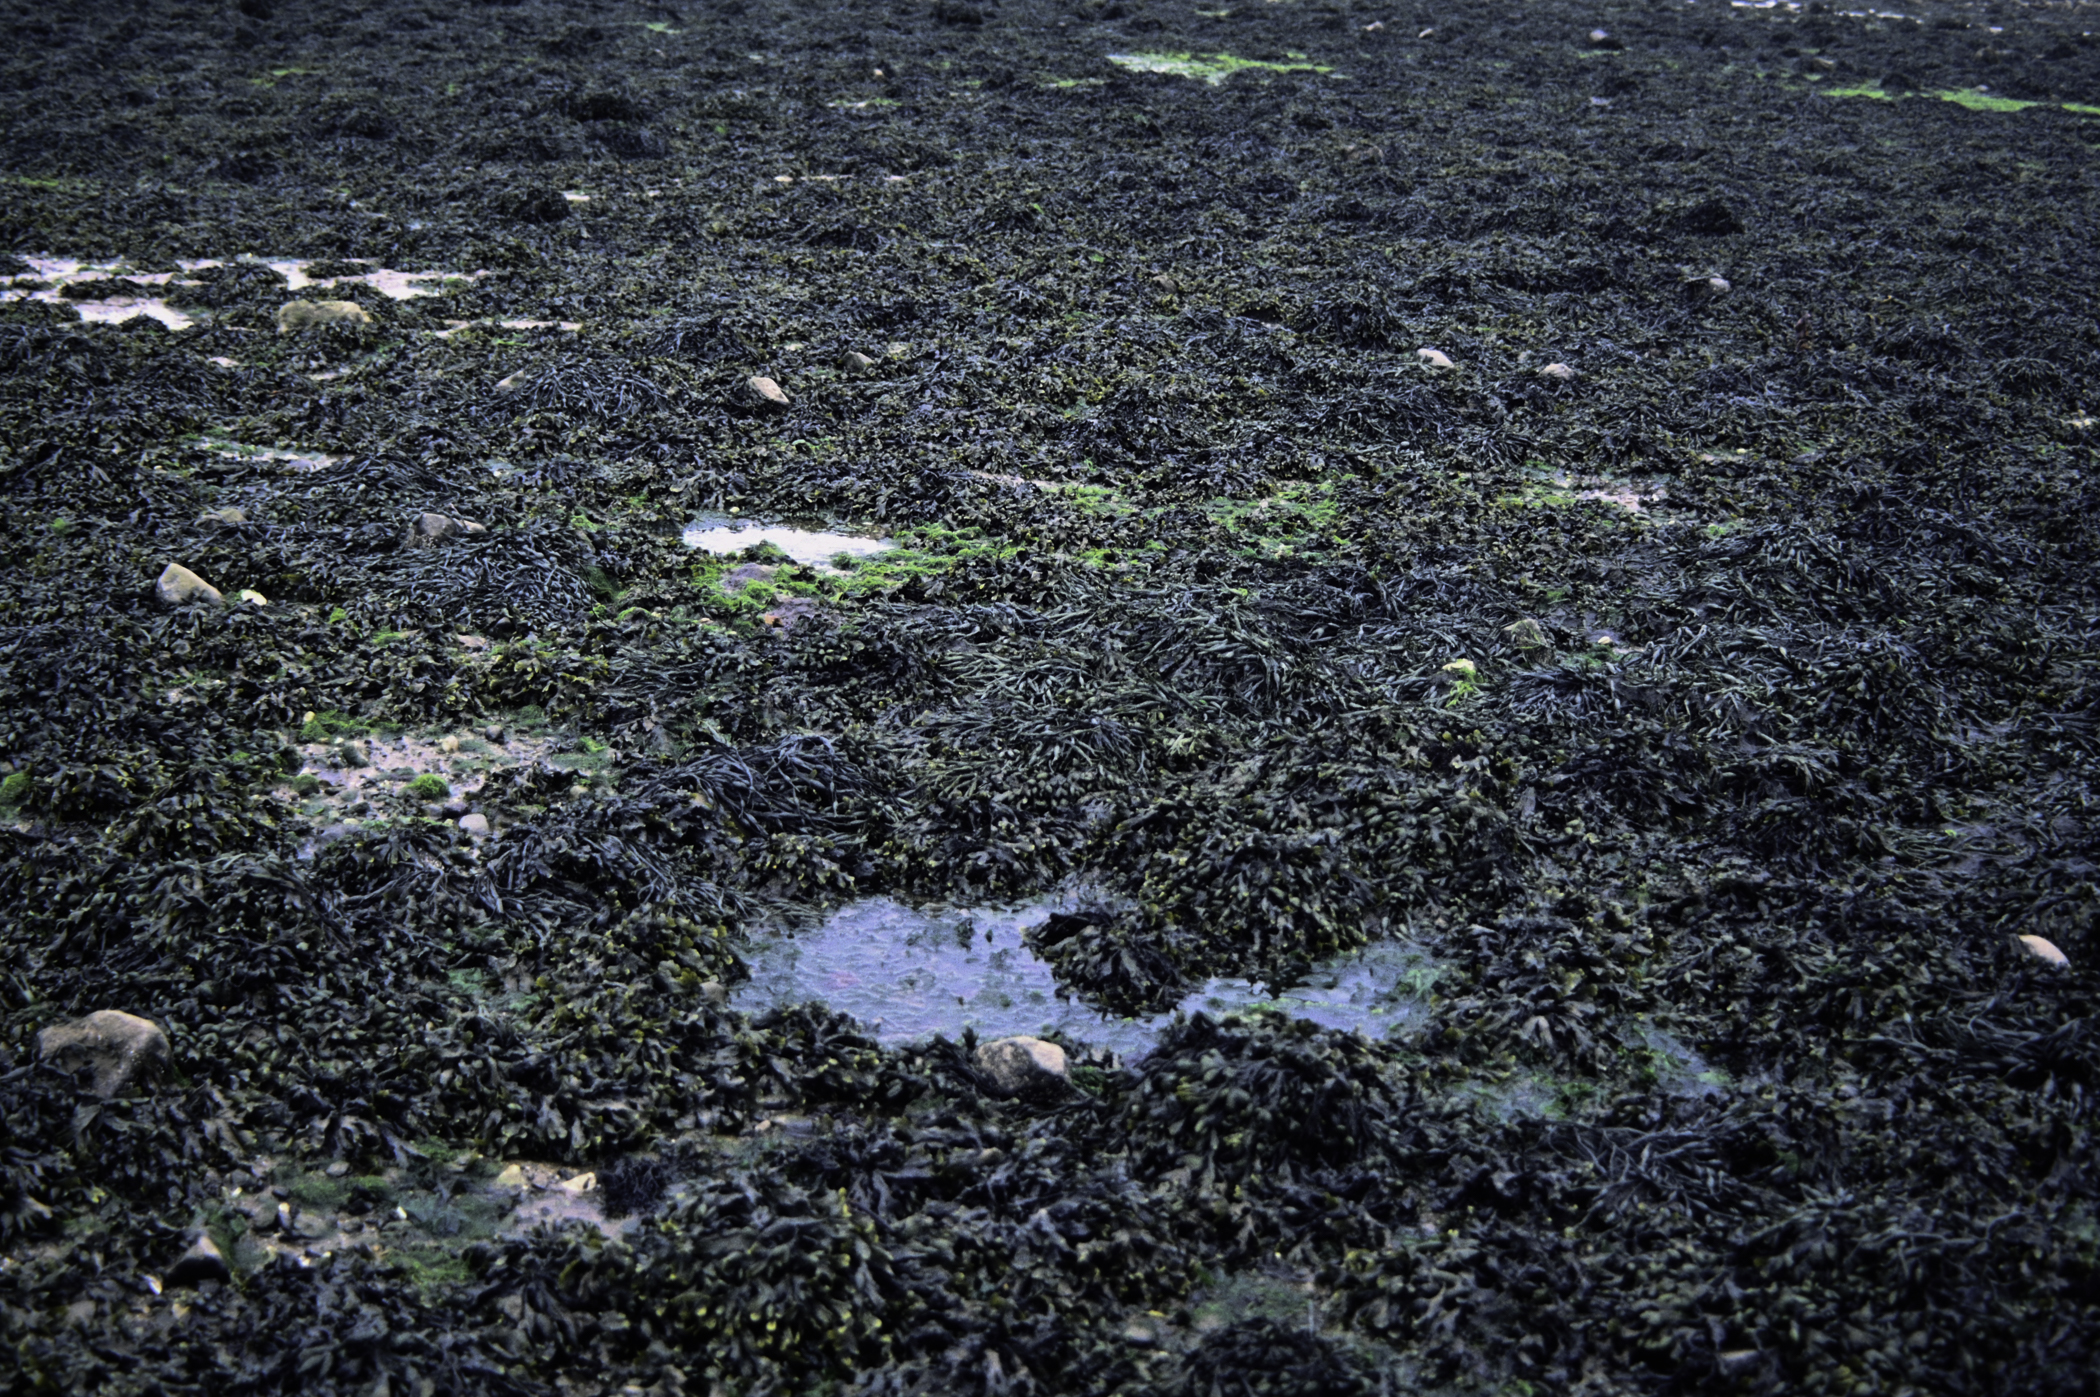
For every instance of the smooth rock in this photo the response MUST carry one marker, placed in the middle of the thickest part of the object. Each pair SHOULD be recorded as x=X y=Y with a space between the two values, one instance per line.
x=305 y=315
x=431 y=529
x=582 y=1183
x=1434 y=358
x=512 y=1176
x=1707 y=288
x=353 y=755
x=475 y=825
x=1559 y=373
x=178 y=586
x=313 y=1226
x=1462 y=670
x=202 y=1262
x=252 y=597
x=118 y=1046
x=856 y=362
x=337 y=1168
x=1602 y=39
x=2043 y=950
x=1024 y=1067
x=228 y=515
x=760 y=391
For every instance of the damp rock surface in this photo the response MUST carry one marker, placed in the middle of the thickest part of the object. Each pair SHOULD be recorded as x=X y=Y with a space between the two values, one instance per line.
x=122 y=1049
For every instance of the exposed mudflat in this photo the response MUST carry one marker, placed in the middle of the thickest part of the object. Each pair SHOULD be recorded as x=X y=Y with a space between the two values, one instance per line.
x=1484 y=616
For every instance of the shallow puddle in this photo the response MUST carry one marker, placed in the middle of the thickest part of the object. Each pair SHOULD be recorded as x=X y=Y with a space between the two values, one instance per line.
x=48 y=277
x=719 y=535
x=911 y=972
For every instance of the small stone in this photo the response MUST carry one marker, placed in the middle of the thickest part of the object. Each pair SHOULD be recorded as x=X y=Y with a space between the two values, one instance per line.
x=228 y=515
x=2044 y=951
x=1464 y=670
x=313 y=1226
x=512 y=1176
x=118 y=1046
x=252 y=597
x=305 y=315
x=353 y=755
x=856 y=362
x=1139 y=1334
x=336 y=1169
x=178 y=586
x=202 y=1262
x=1823 y=65
x=431 y=529
x=476 y=825
x=897 y=350
x=448 y=745
x=1024 y=1067
x=1559 y=373
x=715 y=993
x=582 y=1183
x=493 y=732
x=760 y=391
x=1733 y=1363
x=1166 y=285
x=1602 y=39
x=1707 y=288
x=1434 y=358
x=473 y=642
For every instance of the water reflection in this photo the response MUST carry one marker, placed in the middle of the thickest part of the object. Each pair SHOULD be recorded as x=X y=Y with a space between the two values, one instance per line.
x=912 y=972
x=722 y=535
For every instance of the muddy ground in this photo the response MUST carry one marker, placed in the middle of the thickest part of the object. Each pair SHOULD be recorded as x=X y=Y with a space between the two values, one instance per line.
x=1599 y=494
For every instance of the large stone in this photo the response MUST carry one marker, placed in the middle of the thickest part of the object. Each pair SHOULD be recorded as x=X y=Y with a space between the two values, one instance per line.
x=762 y=392
x=178 y=586
x=2044 y=950
x=120 y=1047
x=305 y=315
x=202 y=1262
x=1025 y=1067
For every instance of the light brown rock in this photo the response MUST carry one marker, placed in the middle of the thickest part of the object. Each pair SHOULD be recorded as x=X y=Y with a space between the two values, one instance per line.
x=2044 y=950
x=120 y=1047
x=856 y=362
x=228 y=515
x=760 y=391
x=1559 y=373
x=305 y=315
x=202 y=1262
x=1025 y=1067
x=178 y=586
x=1434 y=358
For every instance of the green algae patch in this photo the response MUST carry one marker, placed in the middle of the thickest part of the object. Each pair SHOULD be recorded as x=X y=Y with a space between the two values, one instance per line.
x=1211 y=68
x=1986 y=101
x=1970 y=98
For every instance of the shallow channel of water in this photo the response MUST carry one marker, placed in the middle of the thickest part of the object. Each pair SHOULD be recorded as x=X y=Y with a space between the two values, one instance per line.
x=720 y=534
x=911 y=972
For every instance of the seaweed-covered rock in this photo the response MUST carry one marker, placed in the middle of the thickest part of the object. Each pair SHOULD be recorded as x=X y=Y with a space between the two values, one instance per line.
x=1025 y=1067
x=1244 y=1096
x=121 y=1048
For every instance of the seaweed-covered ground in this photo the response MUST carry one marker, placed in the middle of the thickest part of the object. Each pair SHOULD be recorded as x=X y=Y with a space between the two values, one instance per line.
x=1600 y=494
